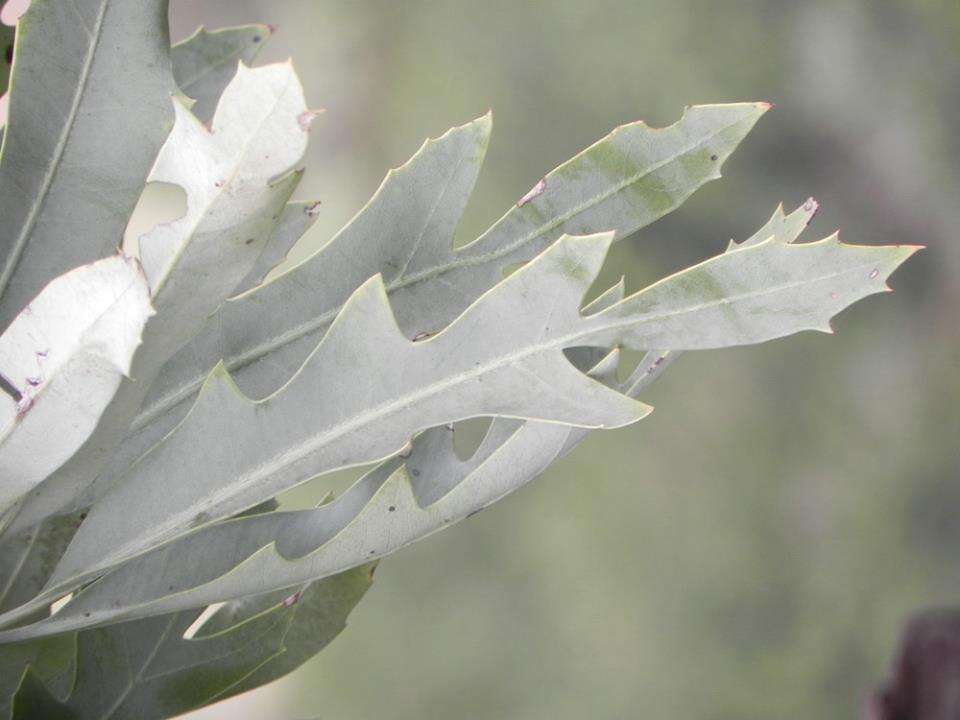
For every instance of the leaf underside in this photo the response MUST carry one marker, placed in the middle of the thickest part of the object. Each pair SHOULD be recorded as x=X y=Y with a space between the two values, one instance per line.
x=738 y=297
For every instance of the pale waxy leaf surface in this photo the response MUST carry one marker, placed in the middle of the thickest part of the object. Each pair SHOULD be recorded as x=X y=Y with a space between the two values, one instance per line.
x=294 y=221
x=387 y=508
x=73 y=164
x=66 y=354
x=417 y=203
x=194 y=263
x=491 y=361
x=203 y=66
x=147 y=670
x=624 y=182
x=205 y=63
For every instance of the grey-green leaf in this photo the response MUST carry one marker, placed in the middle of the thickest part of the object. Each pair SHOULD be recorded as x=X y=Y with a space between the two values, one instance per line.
x=293 y=224
x=511 y=455
x=72 y=167
x=625 y=181
x=403 y=500
x=492 y=361
x=275 y=326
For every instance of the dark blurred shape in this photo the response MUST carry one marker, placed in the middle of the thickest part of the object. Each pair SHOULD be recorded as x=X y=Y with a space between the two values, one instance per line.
x=926 y=675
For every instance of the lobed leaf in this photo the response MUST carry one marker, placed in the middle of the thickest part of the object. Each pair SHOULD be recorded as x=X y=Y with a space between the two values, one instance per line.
x=623 y=182
x=489 y=362
x=511 y=455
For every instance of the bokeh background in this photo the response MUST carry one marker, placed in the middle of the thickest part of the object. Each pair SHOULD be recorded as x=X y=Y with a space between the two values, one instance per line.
x=752 y=549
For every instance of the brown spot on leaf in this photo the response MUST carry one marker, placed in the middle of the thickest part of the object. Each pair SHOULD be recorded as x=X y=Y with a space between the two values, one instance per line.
x=306 y=118
x=656 y=363
x=23 y=405
x=535 y=191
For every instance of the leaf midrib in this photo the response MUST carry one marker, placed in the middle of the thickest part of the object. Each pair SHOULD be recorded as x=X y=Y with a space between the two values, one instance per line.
x=293 y=454
x=170 y=400
x=27 y=229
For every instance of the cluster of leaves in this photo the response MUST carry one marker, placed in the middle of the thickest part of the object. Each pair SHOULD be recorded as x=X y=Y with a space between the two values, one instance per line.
x=157 y=405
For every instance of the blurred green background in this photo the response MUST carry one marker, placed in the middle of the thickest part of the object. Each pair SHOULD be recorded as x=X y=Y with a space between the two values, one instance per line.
x=752 y=549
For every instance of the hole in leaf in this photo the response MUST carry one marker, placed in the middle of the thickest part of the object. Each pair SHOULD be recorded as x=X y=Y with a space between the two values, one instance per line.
x=195 y=626
x=467 y=436
x=159 y=203
x=57 y=604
